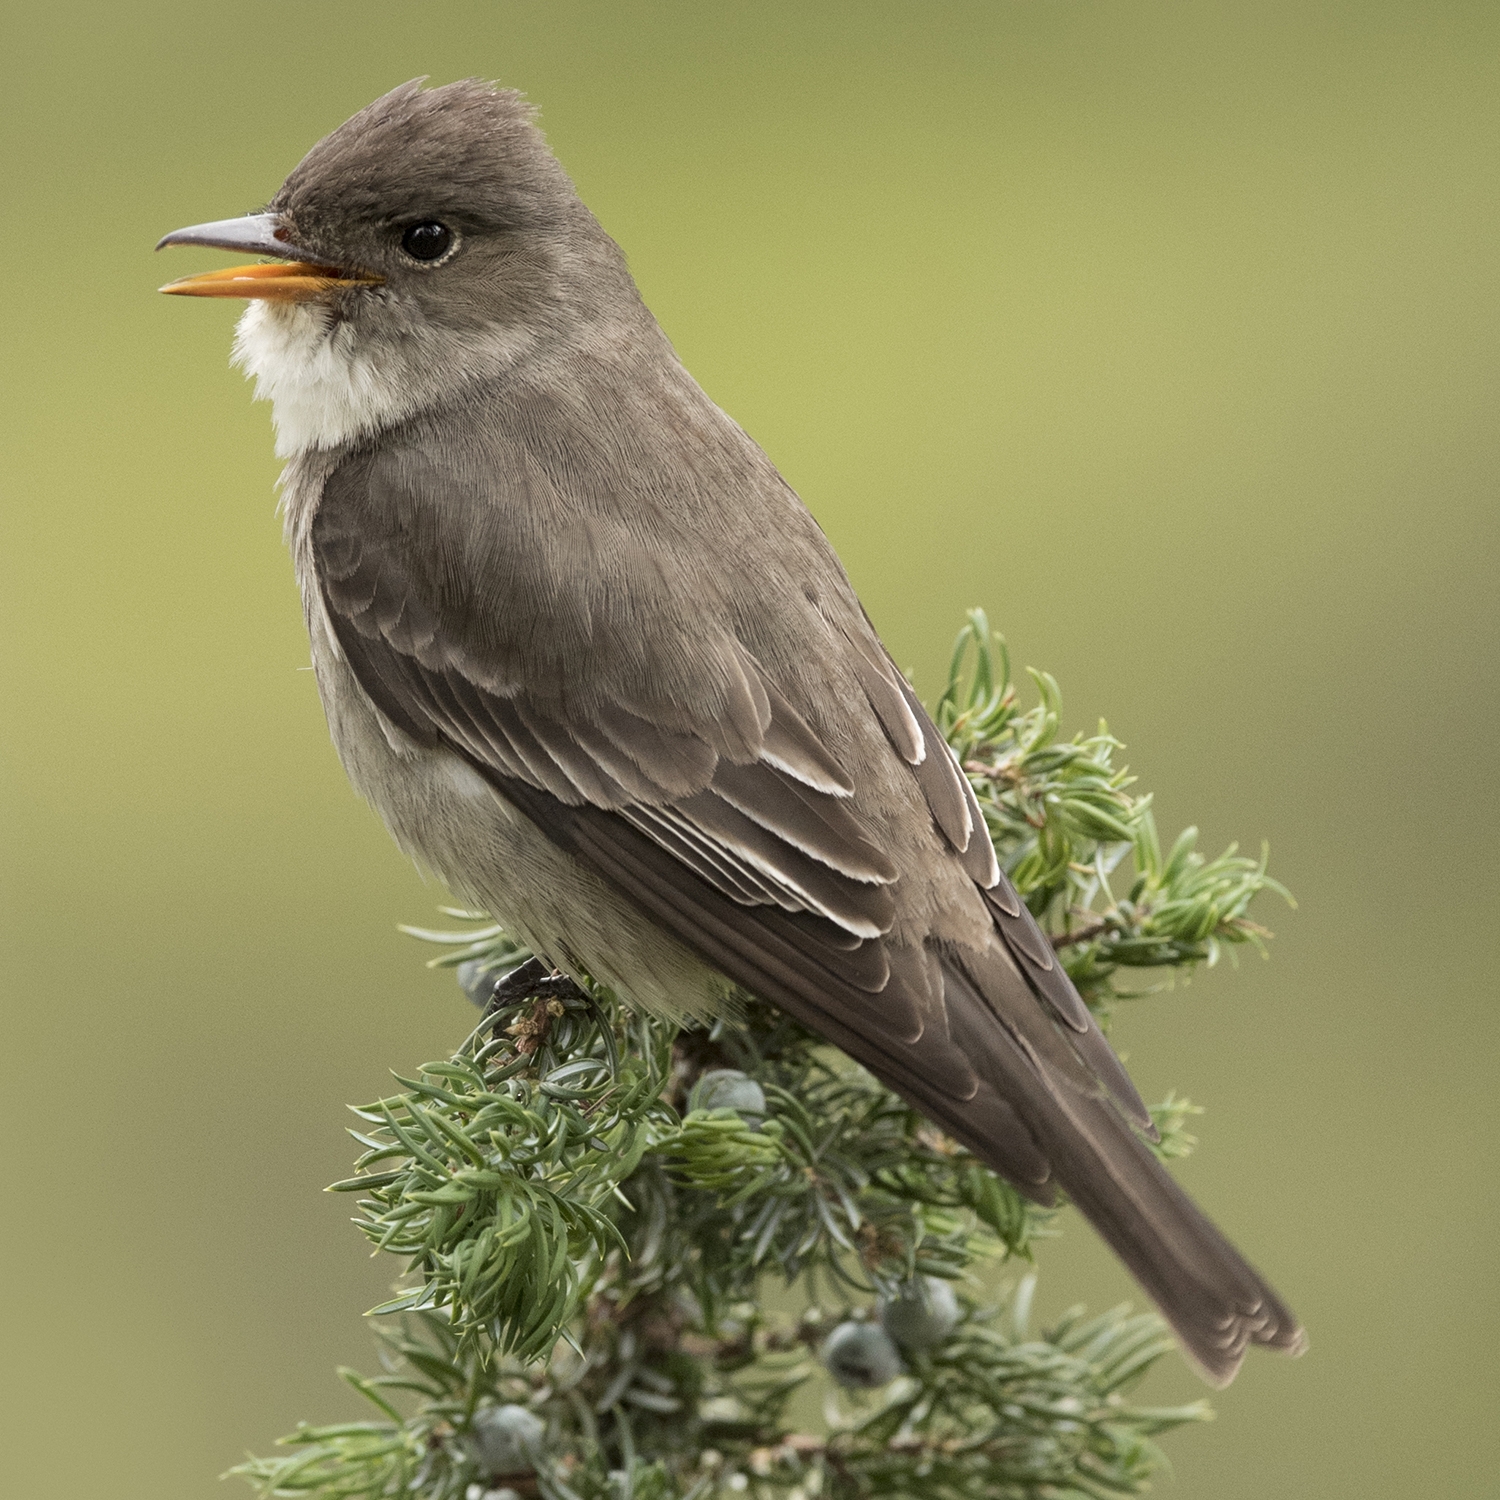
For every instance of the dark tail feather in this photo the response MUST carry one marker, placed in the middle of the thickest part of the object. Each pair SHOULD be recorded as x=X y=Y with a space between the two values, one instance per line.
x=1214 y=1300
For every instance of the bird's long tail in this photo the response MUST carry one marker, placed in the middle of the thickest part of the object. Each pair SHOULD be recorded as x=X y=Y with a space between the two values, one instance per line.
x=1214 y=1300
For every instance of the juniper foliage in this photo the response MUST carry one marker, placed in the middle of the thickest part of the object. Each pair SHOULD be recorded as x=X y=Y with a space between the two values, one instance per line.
x=642 y=1288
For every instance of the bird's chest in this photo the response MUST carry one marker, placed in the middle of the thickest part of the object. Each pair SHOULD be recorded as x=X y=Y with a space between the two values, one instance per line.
x=430 y=800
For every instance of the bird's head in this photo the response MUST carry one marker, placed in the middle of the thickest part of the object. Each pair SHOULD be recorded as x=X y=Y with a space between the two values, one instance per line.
x=432 y=240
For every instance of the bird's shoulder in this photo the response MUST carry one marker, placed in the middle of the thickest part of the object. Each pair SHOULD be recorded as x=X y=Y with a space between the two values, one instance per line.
x=596 y=533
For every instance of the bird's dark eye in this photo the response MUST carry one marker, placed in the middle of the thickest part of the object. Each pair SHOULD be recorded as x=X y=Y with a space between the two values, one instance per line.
x=427 y=241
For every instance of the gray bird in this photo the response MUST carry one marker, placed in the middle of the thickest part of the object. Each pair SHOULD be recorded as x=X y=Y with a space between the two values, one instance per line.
x=596 y=666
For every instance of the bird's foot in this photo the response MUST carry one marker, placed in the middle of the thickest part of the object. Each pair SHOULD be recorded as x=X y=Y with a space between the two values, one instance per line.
x=550 y=993
x=518 y=985
x=536 y=979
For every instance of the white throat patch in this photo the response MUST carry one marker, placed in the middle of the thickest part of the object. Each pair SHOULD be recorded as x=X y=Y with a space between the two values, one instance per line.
x=322 y=390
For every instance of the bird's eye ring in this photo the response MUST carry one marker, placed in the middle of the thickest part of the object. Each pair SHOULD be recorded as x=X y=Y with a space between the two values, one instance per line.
x=427 y=241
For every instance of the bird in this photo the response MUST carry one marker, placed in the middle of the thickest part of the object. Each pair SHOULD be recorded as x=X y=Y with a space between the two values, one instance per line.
x=596 y=666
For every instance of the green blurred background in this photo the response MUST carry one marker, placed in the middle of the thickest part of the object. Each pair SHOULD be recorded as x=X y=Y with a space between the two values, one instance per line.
x=1168 y=332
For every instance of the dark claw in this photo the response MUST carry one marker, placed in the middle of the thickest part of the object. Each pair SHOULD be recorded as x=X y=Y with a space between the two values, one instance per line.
x=533 y=980
x=520 y=984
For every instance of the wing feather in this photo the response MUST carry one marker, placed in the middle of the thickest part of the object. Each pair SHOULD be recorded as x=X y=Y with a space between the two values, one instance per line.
x=572 y=757
x=902 y=727
x=500 y=715
x=791 y=746
x=678 y=764
x=864 y=909
x=703 y=857
x=820 y=826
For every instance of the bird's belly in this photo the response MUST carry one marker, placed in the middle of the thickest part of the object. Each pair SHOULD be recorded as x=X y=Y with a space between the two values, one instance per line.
x=452 y=822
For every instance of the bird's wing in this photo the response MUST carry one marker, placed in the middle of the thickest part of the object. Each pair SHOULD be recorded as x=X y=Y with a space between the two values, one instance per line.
x=743 y=795
x=728 y=779
x=719 y=811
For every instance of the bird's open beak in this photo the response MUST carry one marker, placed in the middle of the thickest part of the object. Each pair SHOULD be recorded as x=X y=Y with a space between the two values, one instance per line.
x=297 y=277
